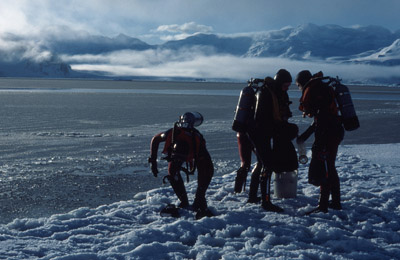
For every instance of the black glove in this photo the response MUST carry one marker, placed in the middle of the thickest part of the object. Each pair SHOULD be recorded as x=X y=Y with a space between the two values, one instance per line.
x=153 y=166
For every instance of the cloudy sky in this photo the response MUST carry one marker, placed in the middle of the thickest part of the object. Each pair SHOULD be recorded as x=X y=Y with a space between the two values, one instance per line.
x=156 y=21
x=152 y=20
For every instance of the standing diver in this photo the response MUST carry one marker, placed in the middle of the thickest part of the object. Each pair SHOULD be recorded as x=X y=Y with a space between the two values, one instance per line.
x=318 y=101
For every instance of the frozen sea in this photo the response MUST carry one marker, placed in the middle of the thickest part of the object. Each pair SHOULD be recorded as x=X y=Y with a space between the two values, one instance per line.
x=74 y=182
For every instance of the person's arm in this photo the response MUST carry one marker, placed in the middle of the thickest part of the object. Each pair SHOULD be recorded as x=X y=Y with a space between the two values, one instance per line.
x=304 y=136
x=155 y=142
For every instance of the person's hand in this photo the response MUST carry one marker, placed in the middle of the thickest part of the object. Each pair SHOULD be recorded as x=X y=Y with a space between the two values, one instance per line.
x=307 y=115
x=153 y=166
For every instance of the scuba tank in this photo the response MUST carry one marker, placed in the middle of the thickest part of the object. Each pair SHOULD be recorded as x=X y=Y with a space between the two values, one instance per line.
x=244 y=113
x=345 y=103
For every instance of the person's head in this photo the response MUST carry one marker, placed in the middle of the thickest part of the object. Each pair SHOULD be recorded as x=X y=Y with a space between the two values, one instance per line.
x=190 y=120
x=302 y=78
x=283 y=79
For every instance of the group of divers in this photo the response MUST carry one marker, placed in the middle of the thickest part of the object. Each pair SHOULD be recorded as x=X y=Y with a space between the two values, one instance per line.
x=263 y=129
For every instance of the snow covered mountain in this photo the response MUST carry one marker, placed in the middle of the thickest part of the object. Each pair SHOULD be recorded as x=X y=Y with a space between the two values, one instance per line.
x=213 y=44
x=389 y=56
x=332 y=44
x=301 y=42
x=321 y=42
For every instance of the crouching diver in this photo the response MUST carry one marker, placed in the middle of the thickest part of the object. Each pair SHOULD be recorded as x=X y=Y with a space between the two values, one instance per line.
x=186 y=151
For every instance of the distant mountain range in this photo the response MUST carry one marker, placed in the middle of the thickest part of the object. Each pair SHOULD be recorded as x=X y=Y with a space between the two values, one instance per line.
x=330 y=43
x=303 y=42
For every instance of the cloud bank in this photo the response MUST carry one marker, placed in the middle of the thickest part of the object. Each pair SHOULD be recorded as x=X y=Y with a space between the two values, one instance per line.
x=191 y=27
x=15 y=49
x=178 y=32
x=192 y=62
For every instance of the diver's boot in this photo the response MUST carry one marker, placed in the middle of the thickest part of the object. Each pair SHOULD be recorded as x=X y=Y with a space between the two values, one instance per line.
x=199 y=203
x=265 y=187
x=240 y=180
x=323 y=201
x=268 y=206
x=317 y=210
x=335 y=203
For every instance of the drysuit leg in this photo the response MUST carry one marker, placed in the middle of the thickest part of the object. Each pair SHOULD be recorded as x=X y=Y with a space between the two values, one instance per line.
x=332 y=184
x=240 y=180
x=264 y=154
x=262 y=144
x=335 y=192
x=265 y=185
x=205 y=169
x=333 y=177
x=324 y=197
x=245 y=149
x=177 y=184
x=254 y=183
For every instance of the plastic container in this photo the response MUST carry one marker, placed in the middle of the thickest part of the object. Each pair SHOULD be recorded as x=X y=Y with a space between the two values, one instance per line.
x=285 y=184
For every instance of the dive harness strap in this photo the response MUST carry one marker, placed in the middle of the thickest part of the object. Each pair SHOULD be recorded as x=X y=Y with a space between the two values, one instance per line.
x=188 y=170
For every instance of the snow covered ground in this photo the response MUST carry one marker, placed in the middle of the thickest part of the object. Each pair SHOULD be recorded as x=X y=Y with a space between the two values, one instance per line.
x=367 y=228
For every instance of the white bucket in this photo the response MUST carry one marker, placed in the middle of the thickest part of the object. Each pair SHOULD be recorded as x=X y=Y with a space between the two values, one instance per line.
x=285 y=184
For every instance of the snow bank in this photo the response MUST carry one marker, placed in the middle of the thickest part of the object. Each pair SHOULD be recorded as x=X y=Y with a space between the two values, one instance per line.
x=367 y=228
